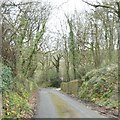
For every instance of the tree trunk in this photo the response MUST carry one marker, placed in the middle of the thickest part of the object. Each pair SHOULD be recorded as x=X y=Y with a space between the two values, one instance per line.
x=118 y=51
x=111 y=46
x=67 y=62
x=97 y=48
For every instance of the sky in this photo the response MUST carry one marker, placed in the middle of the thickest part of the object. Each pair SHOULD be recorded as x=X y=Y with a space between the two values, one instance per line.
x=64 y=6
x=68 y=7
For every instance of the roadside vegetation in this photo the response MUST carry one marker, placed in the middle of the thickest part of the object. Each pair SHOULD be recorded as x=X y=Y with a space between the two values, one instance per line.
x=99 y=86
x=23 y=26
x=84 y=54
x=104 y=84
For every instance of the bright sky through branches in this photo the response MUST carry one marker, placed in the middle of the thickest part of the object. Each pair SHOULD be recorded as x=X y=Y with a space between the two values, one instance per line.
x=60 y=8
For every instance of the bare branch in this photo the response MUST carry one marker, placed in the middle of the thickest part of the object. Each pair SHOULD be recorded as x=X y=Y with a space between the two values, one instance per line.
x=99 y=5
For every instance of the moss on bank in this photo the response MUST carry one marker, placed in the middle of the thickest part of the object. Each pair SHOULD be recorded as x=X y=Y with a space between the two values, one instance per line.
x=101 y=86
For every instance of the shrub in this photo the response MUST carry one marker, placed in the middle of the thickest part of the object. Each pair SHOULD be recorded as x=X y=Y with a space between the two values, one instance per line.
x=14 y=95
x=14 y=105
x=7 y=79
x=55 y=83
x=99 y=86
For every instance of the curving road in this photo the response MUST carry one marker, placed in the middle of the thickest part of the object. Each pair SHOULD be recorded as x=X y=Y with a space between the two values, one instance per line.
x=54 y=104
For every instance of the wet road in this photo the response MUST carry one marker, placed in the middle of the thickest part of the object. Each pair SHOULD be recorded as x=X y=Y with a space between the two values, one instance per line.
x=53 y=104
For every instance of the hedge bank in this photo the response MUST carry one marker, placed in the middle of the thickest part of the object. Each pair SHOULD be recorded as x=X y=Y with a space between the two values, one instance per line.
x=71 y=87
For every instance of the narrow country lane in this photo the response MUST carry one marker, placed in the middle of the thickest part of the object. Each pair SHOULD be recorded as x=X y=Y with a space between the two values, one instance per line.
x=53 y=104
x=45 y=106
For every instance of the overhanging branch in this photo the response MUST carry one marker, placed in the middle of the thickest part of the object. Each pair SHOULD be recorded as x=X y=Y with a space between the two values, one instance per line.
x=99 y=5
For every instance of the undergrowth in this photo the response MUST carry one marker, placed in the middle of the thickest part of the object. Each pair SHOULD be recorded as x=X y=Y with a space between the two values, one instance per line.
x=101 y=86
x=15 y=95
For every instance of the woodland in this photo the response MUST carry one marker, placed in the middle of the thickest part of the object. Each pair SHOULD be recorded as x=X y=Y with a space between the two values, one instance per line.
x=86 y=48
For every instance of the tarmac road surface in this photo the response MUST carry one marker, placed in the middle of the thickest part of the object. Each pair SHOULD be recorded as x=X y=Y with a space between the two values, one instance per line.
x=52 y=103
